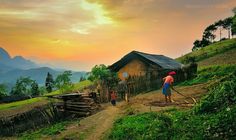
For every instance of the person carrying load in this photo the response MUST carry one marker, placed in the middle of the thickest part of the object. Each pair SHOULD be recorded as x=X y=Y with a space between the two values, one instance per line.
x=168 y=83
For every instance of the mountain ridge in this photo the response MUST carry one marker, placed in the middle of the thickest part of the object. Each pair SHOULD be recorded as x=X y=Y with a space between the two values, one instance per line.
x=12 y=68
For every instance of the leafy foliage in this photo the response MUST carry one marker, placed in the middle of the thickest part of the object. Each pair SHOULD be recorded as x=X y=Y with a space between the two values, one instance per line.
x=221 y=96
x=49 y=83
x=189 y=59
x=210 y=73
x=209 y=36
x=100 y=73
x=3 y=90
x=63 y=81
x=149 y=126
x=22 y=86
x=35 y=89
x=46 y=131
x=82 y=78
x=233 y=27
x=17 y=104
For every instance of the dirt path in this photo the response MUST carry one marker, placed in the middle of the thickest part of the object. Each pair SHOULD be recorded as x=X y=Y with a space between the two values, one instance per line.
x=92 y=127
x=96 y=126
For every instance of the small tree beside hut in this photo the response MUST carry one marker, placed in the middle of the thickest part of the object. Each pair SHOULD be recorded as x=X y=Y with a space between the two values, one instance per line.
x=104 y=79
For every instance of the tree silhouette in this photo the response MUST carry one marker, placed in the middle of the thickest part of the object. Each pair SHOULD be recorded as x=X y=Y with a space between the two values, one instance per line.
x=22 y=86
x=63 y=81
x=233 y=26
x=208 y=33
x=227 y=23
x=49 y=82
x=219 y=24
x=3 y=90
x=35 y=89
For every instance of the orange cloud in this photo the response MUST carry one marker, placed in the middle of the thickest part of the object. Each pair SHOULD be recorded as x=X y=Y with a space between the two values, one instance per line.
x=80 y=34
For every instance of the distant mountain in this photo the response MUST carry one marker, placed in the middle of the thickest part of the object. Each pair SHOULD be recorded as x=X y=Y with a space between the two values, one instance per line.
x=13 y=68
x=17 y=62
x=38 y=74
x=4 y=55
x=4 y=68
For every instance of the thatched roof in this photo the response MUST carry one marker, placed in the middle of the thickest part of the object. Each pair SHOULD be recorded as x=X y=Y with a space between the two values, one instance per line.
x=159 y=60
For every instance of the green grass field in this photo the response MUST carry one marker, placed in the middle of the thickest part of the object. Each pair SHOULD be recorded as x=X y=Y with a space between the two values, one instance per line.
x=76 y=86
x=18 y=104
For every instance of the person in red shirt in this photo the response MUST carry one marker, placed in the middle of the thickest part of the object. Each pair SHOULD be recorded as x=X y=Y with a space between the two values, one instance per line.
x=113 y=98
x=168 y=82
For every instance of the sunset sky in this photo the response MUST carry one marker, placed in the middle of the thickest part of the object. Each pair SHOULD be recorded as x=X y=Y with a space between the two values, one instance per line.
x=78 y=34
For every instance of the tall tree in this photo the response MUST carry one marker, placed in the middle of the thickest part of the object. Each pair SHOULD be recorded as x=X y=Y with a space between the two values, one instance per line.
x=3 y=90
x=219 y=24
x=196 y=45
x=227 y=23
x=233 y=26
x=49 y=82
x=82 y=78
x=106 y=79
x=63 y=81
x=234 y=10
x=208 y=33
x=22 y=86
x=35 y=88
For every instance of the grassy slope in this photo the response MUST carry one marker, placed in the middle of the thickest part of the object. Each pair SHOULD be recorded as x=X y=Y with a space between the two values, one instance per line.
x=77 y=86
x=18 y=104
x=217 y=52
x=212 y=118
x=228 y=57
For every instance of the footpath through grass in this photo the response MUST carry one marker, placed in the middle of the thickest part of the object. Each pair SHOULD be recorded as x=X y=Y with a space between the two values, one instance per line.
x=212 y=118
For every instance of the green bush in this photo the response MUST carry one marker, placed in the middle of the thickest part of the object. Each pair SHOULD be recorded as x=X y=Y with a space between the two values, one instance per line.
x=46 y=131
x=222 y=96
x=210 y=73
x=149 y=126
